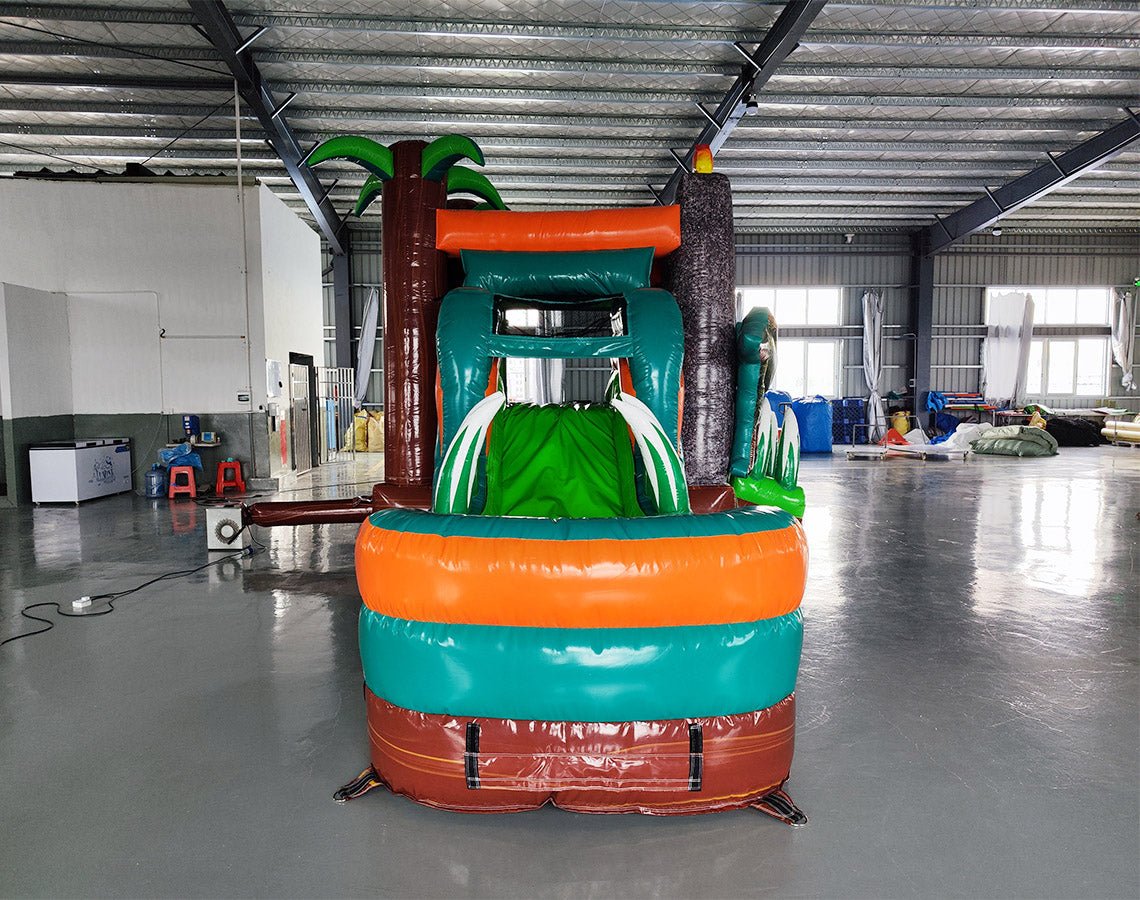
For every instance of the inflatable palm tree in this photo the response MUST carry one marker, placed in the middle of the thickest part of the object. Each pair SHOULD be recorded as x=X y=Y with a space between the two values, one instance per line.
x=413 y=180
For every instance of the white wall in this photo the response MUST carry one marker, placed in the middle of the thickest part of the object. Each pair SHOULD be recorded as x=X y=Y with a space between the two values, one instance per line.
x=166 y=313
x=287 y=260
x=182 y=243
x=35 y=353
x=115 y=352
x=290 y=282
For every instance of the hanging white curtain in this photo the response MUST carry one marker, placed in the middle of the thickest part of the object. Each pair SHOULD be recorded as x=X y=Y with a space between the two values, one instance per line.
x=545 y=376
x=532 y=380
x=544 y=381
x=873 y=360
x=1005 y=355
x=366 y=346
x=1124 y=335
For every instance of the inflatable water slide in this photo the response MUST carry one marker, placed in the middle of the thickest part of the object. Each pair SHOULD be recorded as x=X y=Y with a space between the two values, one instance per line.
x=592 y=603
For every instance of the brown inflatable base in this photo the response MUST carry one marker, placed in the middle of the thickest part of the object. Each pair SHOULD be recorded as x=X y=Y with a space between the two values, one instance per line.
x=669 y=767
x=702 y=499
x=711 y=498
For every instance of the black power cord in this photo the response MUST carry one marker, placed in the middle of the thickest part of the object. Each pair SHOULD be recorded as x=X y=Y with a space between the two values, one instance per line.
x=111 y=597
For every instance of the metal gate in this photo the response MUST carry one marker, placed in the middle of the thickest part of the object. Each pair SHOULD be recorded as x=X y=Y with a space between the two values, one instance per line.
x=335 y=406
x=300 y=411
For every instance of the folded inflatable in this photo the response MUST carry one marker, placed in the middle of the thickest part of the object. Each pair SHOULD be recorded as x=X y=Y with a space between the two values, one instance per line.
x=1016 y=440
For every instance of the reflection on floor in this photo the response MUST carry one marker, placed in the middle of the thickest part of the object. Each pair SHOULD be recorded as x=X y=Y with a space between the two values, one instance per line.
x=967 y=703
x=345 y=476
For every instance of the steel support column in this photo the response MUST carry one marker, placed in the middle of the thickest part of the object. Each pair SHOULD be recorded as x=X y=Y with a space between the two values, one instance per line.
x=781 y=39
x=921 y=319
x=223 y=34
x=1059 y=170
x=342 y=303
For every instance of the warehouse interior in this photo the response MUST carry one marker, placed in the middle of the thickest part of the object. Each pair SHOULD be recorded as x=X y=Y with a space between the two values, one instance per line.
x=936 y=201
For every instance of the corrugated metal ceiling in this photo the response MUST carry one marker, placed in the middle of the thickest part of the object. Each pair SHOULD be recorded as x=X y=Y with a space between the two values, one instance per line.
x=887 y=114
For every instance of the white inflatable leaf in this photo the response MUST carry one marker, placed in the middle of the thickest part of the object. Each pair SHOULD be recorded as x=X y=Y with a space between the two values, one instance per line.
x=452 y=495
x=663 y=466
x=773 y=443
x=789 y=452
x=765 y=434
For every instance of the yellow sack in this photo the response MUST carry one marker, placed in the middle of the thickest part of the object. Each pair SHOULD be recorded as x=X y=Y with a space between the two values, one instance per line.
x=1037 y=420
x=900 y=422
x=360 y=431
x=375 y=432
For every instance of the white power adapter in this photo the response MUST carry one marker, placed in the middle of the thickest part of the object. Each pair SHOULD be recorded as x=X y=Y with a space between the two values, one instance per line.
x=82 y=603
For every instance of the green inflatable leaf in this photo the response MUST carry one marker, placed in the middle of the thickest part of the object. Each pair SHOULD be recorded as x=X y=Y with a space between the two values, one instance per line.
x=443 y=153
x=369 y=191
x=769 y=492
x=461 y=180
x=376 y=158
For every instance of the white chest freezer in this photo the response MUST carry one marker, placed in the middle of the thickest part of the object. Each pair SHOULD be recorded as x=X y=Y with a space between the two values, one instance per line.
x=71 y=471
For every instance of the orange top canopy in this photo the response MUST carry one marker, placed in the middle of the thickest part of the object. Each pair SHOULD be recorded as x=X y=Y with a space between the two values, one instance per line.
x=658 y=227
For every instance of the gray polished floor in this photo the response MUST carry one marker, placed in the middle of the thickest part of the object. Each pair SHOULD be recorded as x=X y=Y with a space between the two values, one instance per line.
x=969 y=712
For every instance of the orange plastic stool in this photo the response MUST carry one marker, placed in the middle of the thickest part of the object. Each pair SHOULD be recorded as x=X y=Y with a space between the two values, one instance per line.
x=184 y=487
x=229 y=476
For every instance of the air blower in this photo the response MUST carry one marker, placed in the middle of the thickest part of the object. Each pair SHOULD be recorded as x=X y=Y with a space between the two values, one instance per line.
x=224 y=528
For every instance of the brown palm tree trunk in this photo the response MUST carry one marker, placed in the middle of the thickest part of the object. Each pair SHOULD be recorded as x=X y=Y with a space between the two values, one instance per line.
x=414 y=273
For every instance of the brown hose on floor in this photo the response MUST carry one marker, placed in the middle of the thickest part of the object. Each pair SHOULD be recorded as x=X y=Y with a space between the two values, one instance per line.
x=333 y=512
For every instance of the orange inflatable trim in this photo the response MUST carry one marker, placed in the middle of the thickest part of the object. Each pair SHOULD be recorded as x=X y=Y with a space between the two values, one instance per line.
x=591 y=229
x=582 y=584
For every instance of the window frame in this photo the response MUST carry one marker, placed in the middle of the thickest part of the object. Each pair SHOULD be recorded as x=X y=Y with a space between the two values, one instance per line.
x=802 y=331
x=1040 y=296
x=1069 y=331
x=1046 y=341
x=742 y=306
x=836 y=370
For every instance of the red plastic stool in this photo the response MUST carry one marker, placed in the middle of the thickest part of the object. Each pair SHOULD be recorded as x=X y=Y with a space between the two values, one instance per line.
x=184 y=487
x=229 y=476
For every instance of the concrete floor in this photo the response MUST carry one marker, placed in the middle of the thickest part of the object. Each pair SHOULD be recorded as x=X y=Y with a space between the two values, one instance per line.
x=969 y=712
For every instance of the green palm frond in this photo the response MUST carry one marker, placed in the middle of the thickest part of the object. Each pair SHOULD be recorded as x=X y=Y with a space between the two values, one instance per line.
x=444 y=152
x=376 y=158
x=461 y=180
x=369 y=191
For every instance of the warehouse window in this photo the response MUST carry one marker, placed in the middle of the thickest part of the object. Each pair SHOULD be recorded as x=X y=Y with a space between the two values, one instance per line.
x=1076 y=367
x=794 y=306
x=1063 y=305
x=807 y=367
x=808 y=364
x=1060 y=364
